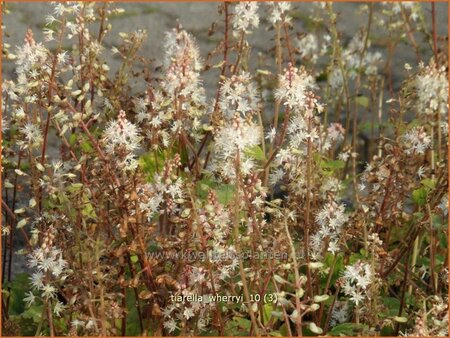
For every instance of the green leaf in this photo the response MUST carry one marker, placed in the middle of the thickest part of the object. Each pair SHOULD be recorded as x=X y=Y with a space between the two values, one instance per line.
x=242 y=322
x=19 y=285
x=238 y=326
x=225 y=193
x=332 y=165
x=72 y=139
x=283 y=330
x=151 y=163
x=419 y=196
x=203 y=187
x=392 y=304
x=133 y=327
x=268 y=308
x=256 y=153
x=362 y=101
x=88 y=211
x=34 y=313
x=429 y=183
x=134 y=259
x=347 y=329
x=86 y=146
x=74 y=187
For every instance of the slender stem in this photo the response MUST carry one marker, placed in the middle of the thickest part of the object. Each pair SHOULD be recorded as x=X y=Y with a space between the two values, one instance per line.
x=298 y=285
x=238 y=246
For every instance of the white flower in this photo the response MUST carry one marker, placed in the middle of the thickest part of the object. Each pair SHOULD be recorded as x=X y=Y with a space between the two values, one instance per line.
x=230 y=139
x=357 y=278
x=336 y=132
x=245 y=16
x=188 y=313
x=5 y=124
x=357 y=297
x=421 y=172
x=37 y=280
x=340 y=313
x=271 y=135
x=122 y=137
x=32 y=133
x=121 y=133
x=58 y=309
x=308 y=47
x=444 y=205
x=278 y=11
x=183 y=64
x=343 y=156
x=292 y=87
x=91 y=324
x=170 y=325
x=416 y=141
x=77 y=323
x=238 y=94
x=48 y=291
x=29 y=299
x=432 y=90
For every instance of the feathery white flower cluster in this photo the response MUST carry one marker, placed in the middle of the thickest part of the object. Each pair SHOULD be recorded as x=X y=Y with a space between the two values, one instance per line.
x=156 y=119
x=293 y=86
x=28 y=56
x=181 y=103
x=416 y=141
x=304 y=127
x=32 y=134
x=122 y=139
x=213 y=222
x=411 y=8
x=236 y=136
x=238 y=94
x=51 y=268
x=336 y=132
x=278 y=12
x=166 y=189
x=308 y=47
x=352 y=62
x=340 y=313
x=331 y=220
x=432 y=90
x=183 y=64
x=245 y=16
x=356 y=280
x=432 y=320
